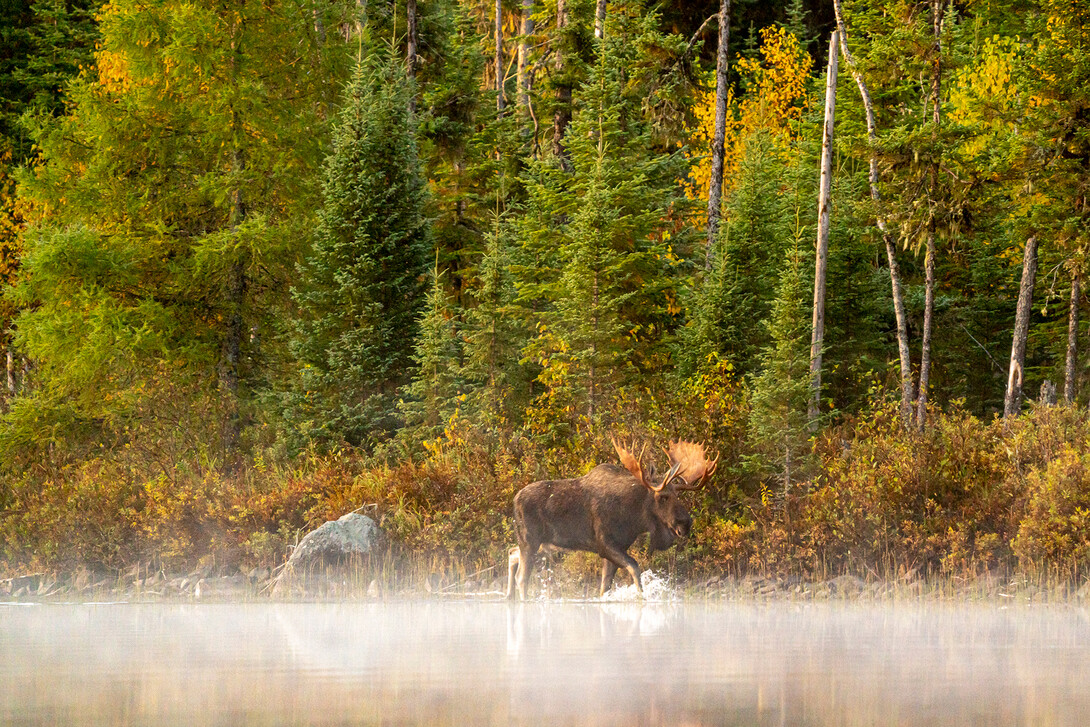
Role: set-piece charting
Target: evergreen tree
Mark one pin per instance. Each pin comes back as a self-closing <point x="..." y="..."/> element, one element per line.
<point x="738" y="292"/>
<point x="778" y="425"/>
<point x="43" y="45"/>
<point x="360" y="289"/>
<point x="458" y="138"/>
<point x="434" y="395"/>
<point x="762" y="183"/>
<point x="591" y="273"/>
<point x="491" y="334"/>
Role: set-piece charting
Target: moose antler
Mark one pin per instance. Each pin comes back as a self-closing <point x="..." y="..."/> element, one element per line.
<point x="632" y="464"/>
<point x="691" y="464"/>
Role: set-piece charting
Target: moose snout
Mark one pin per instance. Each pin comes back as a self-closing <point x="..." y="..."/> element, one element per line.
<point x="682" y="527"/>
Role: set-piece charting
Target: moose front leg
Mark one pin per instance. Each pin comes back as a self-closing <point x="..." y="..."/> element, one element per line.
<point x="622" y="559"/>
<point x="609" y="569"/>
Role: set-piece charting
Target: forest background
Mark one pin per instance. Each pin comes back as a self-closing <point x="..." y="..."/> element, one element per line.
<point x="265" y="263"/>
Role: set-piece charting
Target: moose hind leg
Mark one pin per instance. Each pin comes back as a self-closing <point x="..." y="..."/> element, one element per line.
<point x="526" y="557"/>
<point x="512" y="570"/>
<point x="609" y="568"/>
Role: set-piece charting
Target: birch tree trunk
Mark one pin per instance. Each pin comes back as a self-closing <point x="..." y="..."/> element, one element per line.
<point x="822" y="256"/>
<point x="523" y="73"/>
<point x="562" y="111"/>
<point x="499" y="57"/>
<point x="1012" y="403"/>
<point x="907" y="393"/>
<point x="715" y="183"/>
<point x="1070" y="364"/>
<point x="600" y="19"/>
<point x="929" y="260"/>
<point x="11" y="372"/>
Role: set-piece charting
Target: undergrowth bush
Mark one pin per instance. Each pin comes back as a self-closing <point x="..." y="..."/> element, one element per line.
<point x="962" y="497"/>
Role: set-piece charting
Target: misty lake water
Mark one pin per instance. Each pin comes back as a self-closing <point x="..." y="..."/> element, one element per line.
<point x="544" y="663"/>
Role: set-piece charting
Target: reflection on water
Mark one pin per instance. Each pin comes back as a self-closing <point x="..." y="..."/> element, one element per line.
<point x="443" y="663"/>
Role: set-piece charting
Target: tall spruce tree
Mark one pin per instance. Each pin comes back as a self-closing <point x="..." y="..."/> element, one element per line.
<point x="434" y="395"/>
<point x="491" y="334"/>
<point x="360" y="289"/>
<point x="778" y="427"/>
<point x="593" y="268"/>
<point x="43" y="45"/>
<point x="751" y="243"/>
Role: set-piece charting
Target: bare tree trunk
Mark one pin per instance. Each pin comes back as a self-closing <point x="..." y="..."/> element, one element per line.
<point x="1072" y="337"/>
<point x="524" y="55"/>
<point x="600" y="19"/>
<point x="499" y="57"/>
<point x="1012" y="403"/>
<point x="715" y="183"/>
<point x="907" y="393"/>
<point x="925" y="335"/>
<point x="562" y="111"/>
<point x="929" y="260"/>
<point x="817" y="337"/>
<point x="11" y="372"/>
<point x="410" y="50"/>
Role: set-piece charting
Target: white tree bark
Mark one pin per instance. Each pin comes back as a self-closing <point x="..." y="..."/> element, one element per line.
<point x="817" y="337"/>
<point x="1012" y="403"/>
<point x="937" y="12"/>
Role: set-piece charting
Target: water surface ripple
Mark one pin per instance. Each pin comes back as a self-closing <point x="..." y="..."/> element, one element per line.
<point x="543" y="663"/>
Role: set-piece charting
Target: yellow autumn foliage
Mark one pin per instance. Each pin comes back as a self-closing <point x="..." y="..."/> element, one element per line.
<point x="10" y="225"/>
<point x="775" y="102"/>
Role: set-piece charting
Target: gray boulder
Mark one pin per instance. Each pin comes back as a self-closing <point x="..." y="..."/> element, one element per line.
<point x="352" y="535"/>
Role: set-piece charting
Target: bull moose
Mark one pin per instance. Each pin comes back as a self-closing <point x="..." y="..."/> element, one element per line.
<point x="605" y="510"/>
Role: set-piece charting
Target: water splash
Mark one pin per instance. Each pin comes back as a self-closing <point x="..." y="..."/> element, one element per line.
<point x="655" y="588"/>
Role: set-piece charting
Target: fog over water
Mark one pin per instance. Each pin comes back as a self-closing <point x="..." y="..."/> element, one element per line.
<point x="544" y="663"/>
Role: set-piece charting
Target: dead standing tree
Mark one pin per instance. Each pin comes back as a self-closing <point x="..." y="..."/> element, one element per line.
<point x="817" y="335"/>
<point x="715" y="183"/>
<point x="1012" y="402"/>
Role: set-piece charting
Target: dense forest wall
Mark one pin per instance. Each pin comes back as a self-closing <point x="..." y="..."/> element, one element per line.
<point x="266" y="263"/>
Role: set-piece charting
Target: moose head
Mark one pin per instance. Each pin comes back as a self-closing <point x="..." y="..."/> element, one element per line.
<point x="689" y="469"/>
